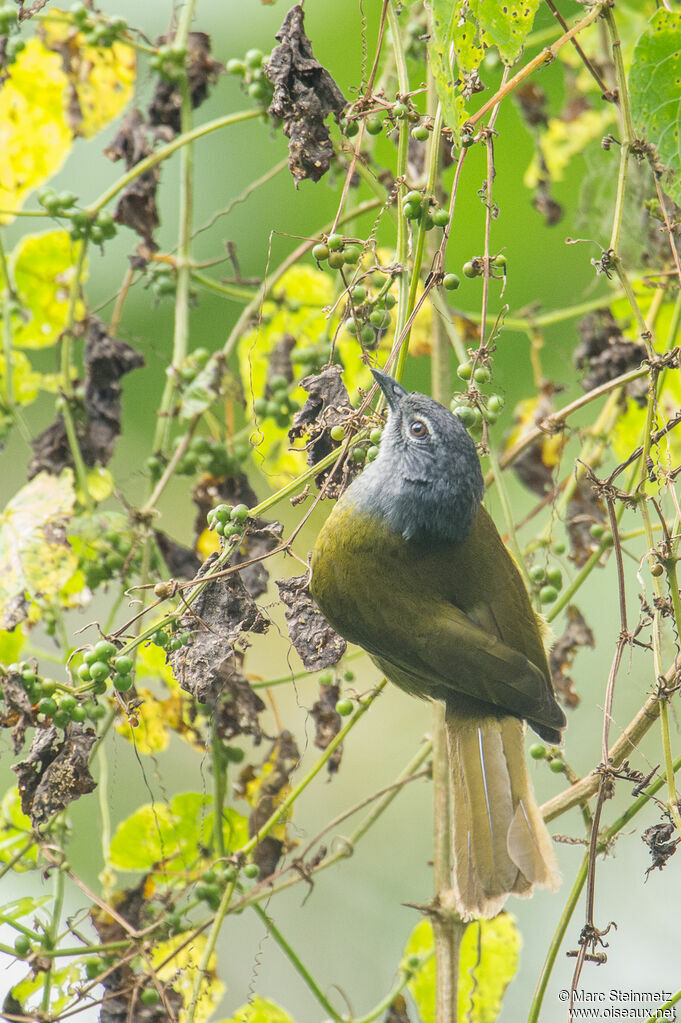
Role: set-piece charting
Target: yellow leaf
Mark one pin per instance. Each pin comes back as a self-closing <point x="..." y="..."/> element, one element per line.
<point x="564" y="139"/>
<point x="100" y="483"/>
<point x="35" y="556"/>
<point x="180" y="970"/>
<point x="259" y="1010"/>
<point x="34" y="137"/>
<point x="487" y="964"/>
<point x="49" y="97"/>
<point x="156" y="717"/>
<point x="43" y="266"/>
<point x="99" y="80"/>
<point x="26" y="382"/>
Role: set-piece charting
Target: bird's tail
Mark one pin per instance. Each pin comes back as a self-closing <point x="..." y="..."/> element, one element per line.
<point x="501" y="844"/>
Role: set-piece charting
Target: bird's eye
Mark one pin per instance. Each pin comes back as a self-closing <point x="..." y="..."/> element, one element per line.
<point x="418" y="429"/>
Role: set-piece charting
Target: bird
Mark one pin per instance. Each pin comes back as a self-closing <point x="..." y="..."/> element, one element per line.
<point x="409" y="566"/>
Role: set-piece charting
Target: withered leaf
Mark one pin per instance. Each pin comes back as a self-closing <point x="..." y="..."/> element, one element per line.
<point x="236" y="712"/>
<point x="536" y="464"/>
<point x="218" y="619"/>
<point x="662" y="845"/>
<point x="279" y="361"/>
<point x="202" y="70"/>
<point x="281" y="761"/>
<point x="318" y="645"/>
<point x="397" y="1011"/>
<point x="584" y="511"/>
<point x="106" y="360"/>
<point x="577" y="634"/>
<point x="605" y="354"/>
<point x="327" y="723"/>
<point x="56" y="771"/>
<point x="327" y="405"/>
<point x="15" y="712"/>
<point x="304" y="96"/>
<point x="136" y="206"/>
<point x="181" y="561"/>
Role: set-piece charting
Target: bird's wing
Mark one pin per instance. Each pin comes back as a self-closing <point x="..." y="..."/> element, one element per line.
<point x="453" y="654"/>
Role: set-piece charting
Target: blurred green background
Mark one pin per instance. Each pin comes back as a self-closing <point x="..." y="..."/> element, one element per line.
<point x="353" y="925"/>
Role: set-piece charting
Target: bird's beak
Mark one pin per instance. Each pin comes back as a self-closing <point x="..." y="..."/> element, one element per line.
<point x="393" y="391"/>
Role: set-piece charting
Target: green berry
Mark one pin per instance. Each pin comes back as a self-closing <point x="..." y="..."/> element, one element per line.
<point x="239" y="513"/>
<point x="374" y="125"/>
<point x="254" y="58"/>
<point x="420" y="133"/>
<point x="499" y="262"/>
<point x="451" y="282"/>
<point x="350" y="128"/>
<point x="251" y="870"/>
<point x="234" y="754"/>
<point x="495" y="404"/>
<point x="440" y="217"/>
<point x="351" y="327"/>
<point x="400" y="109"/>
<point x="47" y="706"/>
<point x="359" y="455"/>
<point x="464" y="370"/>
<point x="597" y="530"/>
<point x="320" y="252"/>
<point x="103" y="650"/>
<point x="537" y="574"/>
<point x="411" y="210"/>
<point x="22" y="945"/>
<point x="84" y="673"/>
<point x="548" y="594"/>
<point x="482" y="375"/>
<point x="122" y="682"/>
<point x="555" y="577"/>
<point x="68" y="703"/>
<point x="352" y="254"/>
<point x="375" y="435"/>
<point x="344" y="707"/>
<point x="557" y="765"/>
<point x="470" y="269"/>
<point x="335" y="242"/>
<point x="358" y="294"/>
<point x="99" y="670"/>
<point x="414" y="196"/>
<point x="336" y="260"/>
<point x="372" y="453"/>
<point x="538" y="751"/>
<point x="559" y="547"/>
<point x="48" y="686"/>
<point x="150" y="996"/>
<point x="61" y="718"/>
<point x="78" y="714"/>
<point x="222" y="512"/>
<point x="326" y="678"/>
<point x="123" y="664"/>
<point x="466" y="414"/>
<point x="28" y="676"/>
<point x="337" y="432"/>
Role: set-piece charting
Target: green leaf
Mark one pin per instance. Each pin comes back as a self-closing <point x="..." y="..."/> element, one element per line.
<point x="43" y="266"/>
<point x="488" y="963"/>
<point x="259" y="1010"/>
<point x="175" y="834"/>
<point x="505" y="25"/>
<point x="19" y="908"/>
<point x="64" y="980"/>
<point x="445" y="29"/>
<point x="655" y="89"/>
<point x="15" y="831"/>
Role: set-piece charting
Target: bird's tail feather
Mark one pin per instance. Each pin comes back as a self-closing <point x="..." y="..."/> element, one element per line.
<point x="501" y="844"/>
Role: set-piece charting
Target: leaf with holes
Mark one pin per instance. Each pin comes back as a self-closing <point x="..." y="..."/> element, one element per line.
<point x="505" y="25"/>
<point x="655" y="88"/>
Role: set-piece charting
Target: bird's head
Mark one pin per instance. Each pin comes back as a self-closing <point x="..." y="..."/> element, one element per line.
<point x="426" y="479"/>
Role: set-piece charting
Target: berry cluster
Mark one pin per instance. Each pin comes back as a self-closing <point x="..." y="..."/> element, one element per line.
<point x="215" y="879"/>
<point x="310" y="359"/>
<point x="417" y="206"/>
<point x="371" y="312"/>
<point x="98" y="228"/>
<point x="100" y="664"/>
<point x="110" y="555"/>
<point x="471" y="412"/>
<point x="97" y="30"/>
<point x="49" y="698"/>
<point x="538" y="751"/>
<point x="255" y="81"/>
<point x="344" y="706"/>
<point x="546" y="582"/>
<point x="228" y="521"/>
<point x="279" y="406"/>
<point x="169" y="63"/>
<point x="338" y="251"/>
<point x="169" y="639"/>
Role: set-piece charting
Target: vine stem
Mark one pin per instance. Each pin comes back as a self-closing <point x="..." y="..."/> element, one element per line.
<point x="208" y="951"/>
<point x="294" y="959"/>
<point x="337" y="740"/>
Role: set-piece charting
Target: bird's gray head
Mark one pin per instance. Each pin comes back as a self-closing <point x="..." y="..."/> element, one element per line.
<point x="426" y="479"/>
